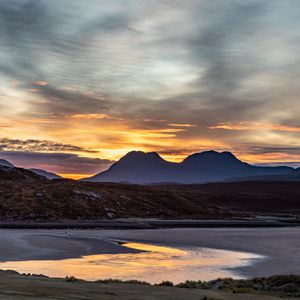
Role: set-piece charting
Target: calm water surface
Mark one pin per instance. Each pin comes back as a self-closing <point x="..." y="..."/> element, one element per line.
<point x="153" y="264"/>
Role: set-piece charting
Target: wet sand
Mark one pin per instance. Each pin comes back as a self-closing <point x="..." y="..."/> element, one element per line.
<point x="281" y="246"/>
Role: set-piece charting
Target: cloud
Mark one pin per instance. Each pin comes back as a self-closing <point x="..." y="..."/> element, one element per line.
<point x="89" y="116"/>
<point x="182" y="125"/>
<point x="255" y="126"/>
<point x="7" y="144"/>
<point x="62" y="163"/>
<point x="59" y="101"/>
<point x="261" y="149"/>
<point x="41" y="83"/>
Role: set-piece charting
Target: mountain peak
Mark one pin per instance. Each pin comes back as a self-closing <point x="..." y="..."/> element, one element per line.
<point x="210" y="155"/>
<point x="227" y="153"/>
<point x="140" y="155"/>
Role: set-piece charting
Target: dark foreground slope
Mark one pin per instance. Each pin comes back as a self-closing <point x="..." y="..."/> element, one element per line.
<point x="264" y="197"/>
<point x="27" y="196"/>
<point x="15" y="286"/>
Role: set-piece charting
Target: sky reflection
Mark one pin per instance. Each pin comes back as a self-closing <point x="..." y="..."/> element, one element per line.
<point x="154" y="264"/>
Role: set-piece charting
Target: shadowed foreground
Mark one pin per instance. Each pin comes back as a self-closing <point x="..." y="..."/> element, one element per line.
<point x="25" y="196"/>
<point x="15" y="286"/>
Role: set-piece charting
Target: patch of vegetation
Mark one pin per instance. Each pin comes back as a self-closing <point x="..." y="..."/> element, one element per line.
<point x="209" y="298"/>
<point x="283" y="285"/>
<point x="123" y="281"/>
<point x="165" y="283"/>
<point x="204" y="285"/>
<point x="72" y="279"/>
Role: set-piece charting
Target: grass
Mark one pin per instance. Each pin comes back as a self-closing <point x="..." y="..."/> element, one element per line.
<point x="15" y="286"/>
<point x="281" y="285"/>
<point x="123" y="281"/>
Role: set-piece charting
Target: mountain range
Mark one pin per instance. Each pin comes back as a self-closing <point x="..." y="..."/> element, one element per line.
<point x="138" y="167"/>
<point x="209" y="166"/>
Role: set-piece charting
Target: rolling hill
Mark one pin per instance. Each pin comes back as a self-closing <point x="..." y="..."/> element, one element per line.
<point x="25" y="195"/>
<point x="48" y="175"/>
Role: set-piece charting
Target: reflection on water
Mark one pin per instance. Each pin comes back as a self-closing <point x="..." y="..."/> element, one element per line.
<point x="154" y="264"/>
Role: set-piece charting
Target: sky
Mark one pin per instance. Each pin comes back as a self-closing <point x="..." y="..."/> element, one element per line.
<point x="84" y="82"/>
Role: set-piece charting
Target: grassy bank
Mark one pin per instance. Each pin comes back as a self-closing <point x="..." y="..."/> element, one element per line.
<point x="26" y="287"/>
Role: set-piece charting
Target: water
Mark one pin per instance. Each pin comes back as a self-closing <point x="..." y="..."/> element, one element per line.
<point x="154" y="263"/>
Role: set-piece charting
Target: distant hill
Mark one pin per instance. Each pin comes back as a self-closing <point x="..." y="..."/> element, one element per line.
<point x="292" y="175"/>
<point x="13" y="174"/>
<point x="40" y="172"/>
<point x="27" y="196"/>
<point x="6" y="163"/>
<point x="46" y="174"/>
<point x="209" y="166"/>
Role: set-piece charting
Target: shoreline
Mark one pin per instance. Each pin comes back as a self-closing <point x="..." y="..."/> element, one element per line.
<point x="120" y="224"/>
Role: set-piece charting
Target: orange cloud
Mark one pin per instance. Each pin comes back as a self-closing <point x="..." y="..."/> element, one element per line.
<point x="15" y="83"/>
<point x="255" y="126"/>
<point x="34" y="90"/>
<point x="41" y="83"/>
<point x="269" y="157"/>
<point x="182" y="125"/>
<point x="90" y="116"/>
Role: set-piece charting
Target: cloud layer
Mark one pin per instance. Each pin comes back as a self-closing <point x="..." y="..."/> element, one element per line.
<point x="7" y="144"/>
<point x="172" y="76"/>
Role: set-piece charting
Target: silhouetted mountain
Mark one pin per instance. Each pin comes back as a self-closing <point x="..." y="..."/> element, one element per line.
<point x="6" y="163"/>
<point x="138" y="167"/>
<point x="208" y="166"/>
<point x="12" y="174"/>
<point x="46" y="174"/>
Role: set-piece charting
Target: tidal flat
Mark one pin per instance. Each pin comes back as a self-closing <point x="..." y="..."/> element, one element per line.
<point x="153" y="255"/>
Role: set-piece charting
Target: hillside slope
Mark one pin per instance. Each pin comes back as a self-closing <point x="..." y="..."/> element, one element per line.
<point x="27" y="196"/>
